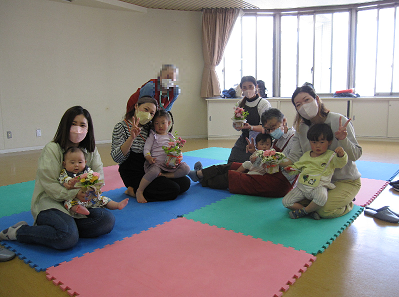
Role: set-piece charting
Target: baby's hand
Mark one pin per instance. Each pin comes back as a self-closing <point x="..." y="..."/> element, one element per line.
<point x="150" y="159"/>
<point x="67" y="186"/>
<point x="340" y="151"/>
<point x="290" y="169"/>
<point x="253" y="159"/>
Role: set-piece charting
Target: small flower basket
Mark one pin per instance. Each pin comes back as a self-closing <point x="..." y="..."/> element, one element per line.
<point x="173" y="152"/>
<point x="239" y="117"/>
<point x="269" y="160"/>
<point x="173" y="159"/>
<point x="90" y="183"/>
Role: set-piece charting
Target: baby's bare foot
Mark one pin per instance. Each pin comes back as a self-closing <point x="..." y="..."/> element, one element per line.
<point x="123" y="203"/>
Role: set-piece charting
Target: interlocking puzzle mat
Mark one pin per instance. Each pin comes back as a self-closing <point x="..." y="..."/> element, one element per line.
<point x="266" y="218"/>
<point x="112" y="179"/>
<point x="184" y="258"/>
<point x="369" y="190"/>
<point x="16" y="198"/>
<point x="217" y="153"/>
<point x="377" y="170"/>
<point x="134" y="218"/>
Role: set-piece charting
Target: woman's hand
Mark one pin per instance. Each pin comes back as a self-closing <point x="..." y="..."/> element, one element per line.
<point x="250" y="148"/>
<point x="135" y="130"/>
<point x="342" y="133"/>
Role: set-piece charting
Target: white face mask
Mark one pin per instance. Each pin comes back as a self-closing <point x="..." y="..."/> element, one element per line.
<point x="144" y="117"/>
<point x="249" y="93"/>
<point x="77" y="134"/>
<point x="277" y="133"/>
<point x="309" y="110"/>
<point x="167" y="83"/>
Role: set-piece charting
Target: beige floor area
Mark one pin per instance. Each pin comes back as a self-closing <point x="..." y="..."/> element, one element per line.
<point x="362" y="261"/>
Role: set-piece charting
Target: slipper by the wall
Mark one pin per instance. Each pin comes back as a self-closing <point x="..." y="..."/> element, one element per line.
<point x="184" y="258"/>
<point x="369" y="190"/>
<point x="383" y="213"/>
<point x="133" y="219"/>
<point x="266" y="218"/>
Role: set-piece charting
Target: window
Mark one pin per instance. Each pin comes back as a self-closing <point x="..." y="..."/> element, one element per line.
<point x="248" y="52"/>
<point x="316" y="47"/>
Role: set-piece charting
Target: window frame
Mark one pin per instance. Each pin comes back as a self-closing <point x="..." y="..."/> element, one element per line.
<point x="352" y="10"/>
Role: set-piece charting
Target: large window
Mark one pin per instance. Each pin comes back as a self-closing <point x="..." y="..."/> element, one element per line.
<point x="248" y="52"/>
<point x="354" y="47"/>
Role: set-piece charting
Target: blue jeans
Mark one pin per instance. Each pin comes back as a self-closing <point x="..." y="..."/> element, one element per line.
<point x="58" y="230"/>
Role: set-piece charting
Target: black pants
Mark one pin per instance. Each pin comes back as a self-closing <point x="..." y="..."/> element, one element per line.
<point x="238" y="152"/>
<point x="160" y="189"/>
<point x="216" y="176"/>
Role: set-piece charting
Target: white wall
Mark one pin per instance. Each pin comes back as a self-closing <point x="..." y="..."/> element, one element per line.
<point x="55" y="55"/>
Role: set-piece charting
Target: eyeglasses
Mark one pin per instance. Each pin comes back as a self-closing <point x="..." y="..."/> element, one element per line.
<point x="272" y="128"/>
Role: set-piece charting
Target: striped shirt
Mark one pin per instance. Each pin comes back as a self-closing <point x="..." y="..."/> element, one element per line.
<point x="119" y="136"/>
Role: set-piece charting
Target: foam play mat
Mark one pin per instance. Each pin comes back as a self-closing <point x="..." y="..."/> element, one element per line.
<point x="184" y="258"/>
<point x="267" y="219"/>
<point x="225" y="244"/>
<point x="133" y="219"/>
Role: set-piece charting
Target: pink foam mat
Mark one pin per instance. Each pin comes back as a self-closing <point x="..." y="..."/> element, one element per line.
<point x="183" y="258"/>
<point x="369" y="190"/>
<point x="112" y="178"/>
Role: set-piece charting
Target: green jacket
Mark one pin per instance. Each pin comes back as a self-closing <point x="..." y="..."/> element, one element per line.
<point x="48" y="192"/>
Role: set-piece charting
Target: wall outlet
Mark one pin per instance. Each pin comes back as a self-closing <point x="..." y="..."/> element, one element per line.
<point x="9" y="134"/>
<point x="38" y="133"/>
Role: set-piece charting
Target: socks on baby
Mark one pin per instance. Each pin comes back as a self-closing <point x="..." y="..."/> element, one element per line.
<point x="193" y="173"/>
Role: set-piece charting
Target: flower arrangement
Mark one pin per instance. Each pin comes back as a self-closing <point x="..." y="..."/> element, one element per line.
<point x="174" y="146"/>
<point x="269" y="159"/>
<point x="239" y="114"/>
<point x="173" y="151"/>
<point x="90" y="182"/>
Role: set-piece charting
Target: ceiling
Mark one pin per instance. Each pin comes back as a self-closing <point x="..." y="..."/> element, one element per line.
<point x="198" y="5"/>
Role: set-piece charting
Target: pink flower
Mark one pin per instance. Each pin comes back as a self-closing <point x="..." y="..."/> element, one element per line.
<point x="84" y="175"/>
<point x="96" y="174"/>
<point x="266" y="153"/>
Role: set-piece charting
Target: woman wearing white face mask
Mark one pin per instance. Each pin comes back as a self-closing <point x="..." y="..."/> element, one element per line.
<point x="54" y="226"/>
<point x="162" y="88"/>
<point x="128" y="140"/>
<point x="255" y="106"/>
<point x="347" y="179"/>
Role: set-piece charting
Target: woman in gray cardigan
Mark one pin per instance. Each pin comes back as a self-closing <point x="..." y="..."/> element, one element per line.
<point x="54" y="226"/>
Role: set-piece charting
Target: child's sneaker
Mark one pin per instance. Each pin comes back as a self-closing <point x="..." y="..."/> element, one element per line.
<point x="315" y="215"/>
<point x="298" y="213"/>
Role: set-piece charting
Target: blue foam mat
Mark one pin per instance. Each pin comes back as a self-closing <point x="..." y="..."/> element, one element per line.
<point x="217" y="153"/>
<point x="377" y="170"/>
<point x="138" y="217"/>
<point x="133" y="219"/>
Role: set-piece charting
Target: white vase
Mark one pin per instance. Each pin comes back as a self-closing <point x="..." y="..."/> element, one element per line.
<point x="239" y="123"/>
<point x="173" y="159"/>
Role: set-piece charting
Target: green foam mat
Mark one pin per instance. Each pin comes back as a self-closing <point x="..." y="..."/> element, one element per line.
<point x="16" y="198"/>
<point x="266" y="218"/>
<point x="217" y="153"/>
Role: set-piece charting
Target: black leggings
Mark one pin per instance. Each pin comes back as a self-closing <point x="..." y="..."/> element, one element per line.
<point x="160" y="189"/>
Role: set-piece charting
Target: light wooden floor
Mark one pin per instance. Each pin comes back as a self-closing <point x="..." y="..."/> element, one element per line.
<point x="362" y="261"/>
